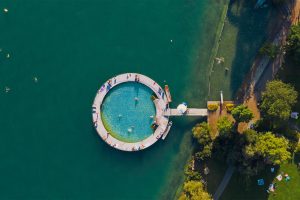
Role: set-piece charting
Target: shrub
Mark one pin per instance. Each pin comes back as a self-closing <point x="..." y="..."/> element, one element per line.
<point x="242" y="113"/>
<point x="229" y="107"/>
<point x="224" y="125"/>
<point x="212" y="107"/>
<point x="270" y="50"/>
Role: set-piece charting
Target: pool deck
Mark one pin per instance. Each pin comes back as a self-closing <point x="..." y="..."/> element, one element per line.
<point x="160" y="118"/>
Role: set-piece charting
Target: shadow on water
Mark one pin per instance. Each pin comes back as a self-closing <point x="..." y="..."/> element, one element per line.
<point x="252" y="27"/>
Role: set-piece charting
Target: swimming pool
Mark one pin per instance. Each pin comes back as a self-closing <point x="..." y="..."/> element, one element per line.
<point x="127" y="112"/>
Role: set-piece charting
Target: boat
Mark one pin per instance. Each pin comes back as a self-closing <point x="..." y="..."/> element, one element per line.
<point x="167" y="130"/>
<point x="168" y="94"/>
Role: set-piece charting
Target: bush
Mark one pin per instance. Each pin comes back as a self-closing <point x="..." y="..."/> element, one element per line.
<point x="229" y="107"/>
<point x="270" y="50"/>
<point x="212" y="107"/>
<point x="204" y="153"/>
<point x="224" y="125"/>
<point x="242" y="113"/>
<point x="190" y="174"/>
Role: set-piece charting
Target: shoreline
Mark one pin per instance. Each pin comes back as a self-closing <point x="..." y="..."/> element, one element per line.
<point x="263" y="68"/>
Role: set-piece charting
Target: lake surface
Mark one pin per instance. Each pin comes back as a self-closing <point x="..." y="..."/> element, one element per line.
<point x="48" y="146"/>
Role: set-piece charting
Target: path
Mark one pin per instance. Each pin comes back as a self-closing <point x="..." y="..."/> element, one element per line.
<point x="190" y="112"/>
<point x="223" y="184"/>
<point x="263" y="70"/>
<point x="296" y="12"/>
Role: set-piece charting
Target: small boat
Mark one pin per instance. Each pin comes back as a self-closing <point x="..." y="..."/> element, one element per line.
<point x="167" y="130"/>
<point x="168" y="94"/>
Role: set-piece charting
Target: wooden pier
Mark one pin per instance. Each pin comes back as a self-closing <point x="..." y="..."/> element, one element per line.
<point x="196" y="112"/>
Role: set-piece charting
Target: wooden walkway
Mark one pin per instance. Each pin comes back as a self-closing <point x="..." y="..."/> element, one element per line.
<point x="190" y="112"/>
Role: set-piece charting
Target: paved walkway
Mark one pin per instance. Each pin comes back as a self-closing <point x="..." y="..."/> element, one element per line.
<point x="190" y="112"/>
<point x="159" y="103"/>
<point x="224" y="182"/>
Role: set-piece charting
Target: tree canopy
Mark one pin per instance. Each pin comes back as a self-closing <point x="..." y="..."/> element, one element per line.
<point x="270" y="50"/>
<point x="201" y="132"/>
<point x="293" y="44"/>
<point x="242" y="113"/>
<point x="194" y="190"/>
<point x="224" y="125"/>
<point x="278" y="99"/>
<point x="273" y="149"/>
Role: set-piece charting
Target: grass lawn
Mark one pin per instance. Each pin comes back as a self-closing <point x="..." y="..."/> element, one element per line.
<point x="288" y="190"/>
<point x="216" y="172"/>
<point x="239" y="188"/>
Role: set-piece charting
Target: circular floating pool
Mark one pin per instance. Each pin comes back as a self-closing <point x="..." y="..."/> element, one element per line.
<point x="124" y="110"/>
<point x="127" y="112"/>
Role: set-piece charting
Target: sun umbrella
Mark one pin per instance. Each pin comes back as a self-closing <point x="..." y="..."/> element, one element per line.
<point x="182" y="108"/>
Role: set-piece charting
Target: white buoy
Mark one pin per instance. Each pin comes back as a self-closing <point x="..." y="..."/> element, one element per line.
<point x="0" y="50"/>
<point x="136" y="99"/>
<point x="129" y="130"/>
<point x="7" y="55"/>
<point x="35" y="79"/>
<point x="171" y="41"/>
<point x="5" y="10"/>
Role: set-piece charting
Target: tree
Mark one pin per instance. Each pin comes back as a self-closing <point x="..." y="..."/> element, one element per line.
<point x="278" y="99"/>
<point x="224" y="125"/>
<point x="242" y="113"/>
<point x="194" y="190"/>
<point x="273" y="149"/>
<point x="293" y="42"/>
<point x="201" y="132"/>
<point x="270" y="50"/>
<point x="205" y="152"/>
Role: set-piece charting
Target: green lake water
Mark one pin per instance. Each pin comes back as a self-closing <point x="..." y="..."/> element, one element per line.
<point x="48" y="146"/>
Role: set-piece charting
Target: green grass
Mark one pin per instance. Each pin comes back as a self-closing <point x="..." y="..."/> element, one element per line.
<point x="241" y="188"/>
<point x="288" y="190"/>
<point x="298" y="122"/>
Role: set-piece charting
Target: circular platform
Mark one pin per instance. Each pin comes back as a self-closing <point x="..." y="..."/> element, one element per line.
<point x="108" y="109"/>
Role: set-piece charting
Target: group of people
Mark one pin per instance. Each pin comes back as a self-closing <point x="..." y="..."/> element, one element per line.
<point x="272" y="187"/>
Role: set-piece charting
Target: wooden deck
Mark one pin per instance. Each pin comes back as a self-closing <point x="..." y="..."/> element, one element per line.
<point x="213" y="116"/>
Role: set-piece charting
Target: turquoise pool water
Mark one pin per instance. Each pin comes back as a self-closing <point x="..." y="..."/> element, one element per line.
<point x="128" y="111"/>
